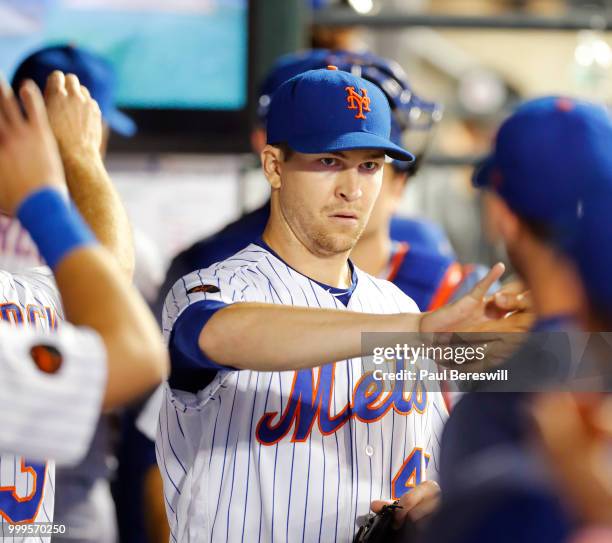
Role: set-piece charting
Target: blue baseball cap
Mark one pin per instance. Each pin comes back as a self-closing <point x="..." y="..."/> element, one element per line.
<point x="549" y="155"/>
<point x="410" y="112"/>
<point x="413" y="118"/>
<point x="95" y="73"/>
<point x="330" y="110"/>
<point x="285" y="68"/>
<point x="592" y="251"/>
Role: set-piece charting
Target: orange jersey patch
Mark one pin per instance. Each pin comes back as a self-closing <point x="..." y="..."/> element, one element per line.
<point x="47" y="358"/>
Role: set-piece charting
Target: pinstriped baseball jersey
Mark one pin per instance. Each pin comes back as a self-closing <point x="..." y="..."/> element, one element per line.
<point x="17" y="250"/>
<point x="292" y="455"/>
<point x="27" y="487"/>
<point x="43" y="378"/>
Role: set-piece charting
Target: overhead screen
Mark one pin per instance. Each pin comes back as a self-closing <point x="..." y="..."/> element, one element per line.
<point x="178" y="55"/>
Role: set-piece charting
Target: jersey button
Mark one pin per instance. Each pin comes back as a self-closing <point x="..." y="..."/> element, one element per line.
<point x="369" y="450"/>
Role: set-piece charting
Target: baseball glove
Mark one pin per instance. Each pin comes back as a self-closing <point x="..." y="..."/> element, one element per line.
<point x="379" y="528"/>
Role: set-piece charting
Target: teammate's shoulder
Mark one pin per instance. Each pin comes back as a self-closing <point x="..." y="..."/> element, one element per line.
<point x="35" y="276"/>
<point x="238" y="265"/>
<point x="231" y="272"/>
<point x="421" y="233"/>
<point x="422" y="263"/>
<point x="5" y="276"/>
<point x="248" y="257"/>
<point x="421" y="273"/>
<point x="36" y="271"/>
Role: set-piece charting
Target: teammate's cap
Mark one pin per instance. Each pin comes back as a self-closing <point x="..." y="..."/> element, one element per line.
<point x="93" y="72"/>
<point x="285" y="68"/>
<point x="330" y="110"/>
<point x="549" y="155"/>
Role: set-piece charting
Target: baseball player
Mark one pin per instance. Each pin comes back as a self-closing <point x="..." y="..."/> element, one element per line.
<point x="576" y="427"/>
<point x="53" y="382"/>
<point x="414" y="254"/>
<point x="83" y="499"/>
<point x="270" y="428"/>
<point x="417" y="256"/>
<point x="536" y="204"/>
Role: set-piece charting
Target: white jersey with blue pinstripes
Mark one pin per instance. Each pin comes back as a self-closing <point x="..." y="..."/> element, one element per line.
<point x="293" y="455"/>
<point x="50" y="411"/>
<point x="27" y="488"/>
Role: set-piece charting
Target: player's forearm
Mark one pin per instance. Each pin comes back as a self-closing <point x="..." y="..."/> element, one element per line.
<point x="95" y="295"/>
<point x="96" y="198"/>
<point x="270" y="337"/>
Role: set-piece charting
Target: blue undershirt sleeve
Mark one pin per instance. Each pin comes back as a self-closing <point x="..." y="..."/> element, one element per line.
<point x="191" y="369"/>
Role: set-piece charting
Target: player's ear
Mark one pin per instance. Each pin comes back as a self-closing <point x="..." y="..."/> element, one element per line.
<point x="271" y="162"/>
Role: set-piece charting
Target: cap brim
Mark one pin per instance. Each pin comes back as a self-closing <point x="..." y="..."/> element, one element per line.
<point x="482" y="174"/>
<point x="119" y="122"/>
<point x="350" y="141"/>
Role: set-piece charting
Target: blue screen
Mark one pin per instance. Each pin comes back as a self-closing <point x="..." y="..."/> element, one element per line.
<point x="168" y="54"/>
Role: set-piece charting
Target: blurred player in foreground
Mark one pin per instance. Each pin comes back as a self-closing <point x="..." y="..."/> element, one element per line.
<point x="537" y="203"/>
<point x="83" y="498"/>
<point x="49" y="406"/>
<point x="270" y="426"/>
<point x="575" y="429"/>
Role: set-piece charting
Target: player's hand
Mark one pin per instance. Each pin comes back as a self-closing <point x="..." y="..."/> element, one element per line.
<point x="74" y="116"/>
<point x="29" y="158"/>
<point x="478" y="319"/>
<point x="511" y="298"/>
<point x="417" y="504"/>
<point x="474" y="312"/>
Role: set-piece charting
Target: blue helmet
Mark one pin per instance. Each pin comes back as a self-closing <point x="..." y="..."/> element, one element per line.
<point x="412" y="117"/>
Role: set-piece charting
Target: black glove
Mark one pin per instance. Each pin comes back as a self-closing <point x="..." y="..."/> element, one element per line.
<point x="379" y="528"/>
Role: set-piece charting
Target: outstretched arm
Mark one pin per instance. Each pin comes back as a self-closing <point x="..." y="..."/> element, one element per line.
<point x="270" y="337"/>
<point x="77" y="125"/>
